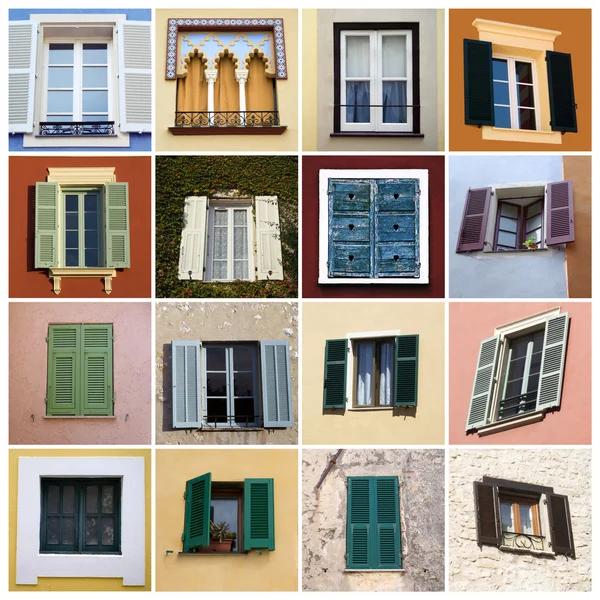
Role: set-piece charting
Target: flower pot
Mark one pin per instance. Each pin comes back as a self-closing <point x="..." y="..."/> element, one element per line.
<point x="217" y="546"/>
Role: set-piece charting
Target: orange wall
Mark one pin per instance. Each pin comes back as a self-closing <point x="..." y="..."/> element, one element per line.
<point x="24" y="281"/>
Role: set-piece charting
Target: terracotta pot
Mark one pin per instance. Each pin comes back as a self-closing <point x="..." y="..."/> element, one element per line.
<point x="217" y="546"/>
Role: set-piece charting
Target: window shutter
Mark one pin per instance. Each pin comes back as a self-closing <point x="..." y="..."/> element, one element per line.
<point x="479" y="87"/>
<point x="185" y="367"/>
<point x="387" y="529"/>
<point x="116" y="200"/>
<point x="268" y="238"/>
<point x="22" y="52"/>
<point x="97" y="369"/>
<point x="135" y="76"/>
<point x="193" y="236"/>
<point x="196" y="525"/>
<point x="63" y="369"/>
<point x="276" y="383"/>
<point x="560" y="213"/>
<point x="406" y="377"/>
<point x="46" y="225"/>
<point x="259" y="515"/>
<point x="358" y="523"/>
<point x="487" y="513"/>
<point x="471" y="235"/>
<point x="561" y="532"/>
<point x="563" y="115"/>
<point x="553" y="362"/>
<point x="484" y="383"/>
<point x="336" y="360"/>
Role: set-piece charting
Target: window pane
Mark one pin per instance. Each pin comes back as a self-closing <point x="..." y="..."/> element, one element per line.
<point x="60" y="77"/>
<point x="538" y="340"/>
<point x="60" y="101"/>
<point x="357" y="56"/>
<point x="91" y="240"/>
<point x="536" y="234"/>
<point x="507" y="239"/>
<point x="394" y="102"/>
<point x="108" y="498"/>
<point x="509" y="210"/>
<point x="394" y="56"/>
<point x="358" y="100"/>
<point x="91" y="531"/>
<point x="508" y="224"/>
<point x="108" y="531"/>
<point x="507" y="518"/>
<point x="534" y="209"/>
<point x="502" y="116"/>
<point x="225" y="510"/>
<point x="526" y="519"/>
<point x="91" y="220"/>
<point x="71" y="202"/>
<point x="68" y="530"/>
<point x="95" y="54"/>
<point x="53" y="503"/>
<point x="525" y="95"/>
<point x="88" y="118"/>
<point x="72" y="239"/>
<point x="56" y="118"/>
<point x="532" y="385"/>
<point x="526" y="118"/>
<point x="72" y="258"/>
<point x="60" y="54"/>
<point x="244" y="410"/>
<point x="519" y="346"/>
<point x="216" y="384"/>
<point x="501" y="93"/>
<point x="240" y="235"/>
<point x="386" y="373"/>
<point x="215" y="359"/>
<point x="216" y="410"/>
<point x="243" y="384"/>
<point x="243" y="358"/>
<point x="95" y="77"/>
<point x="68" y="499"/>
<point x="364" y="383"/>
<point x="53" y="530"/>
<point x="240" y="269"/>
<point x="523" y="71"/>
<point x="91" y="257"/>
<point x="95" y="101"/>
<point x="500" y="69"/>
<point x="90" y="203"/>
<point x="71" y="220"/>
<point x="91" y="498"/>
<point x="534" y="223"/>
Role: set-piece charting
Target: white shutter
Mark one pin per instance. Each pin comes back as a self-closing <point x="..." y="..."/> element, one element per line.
<point x="268" y="238"/>
<point x="193" y="236"/>
<point x="135" y="76"/>
<point x="22" y="50"/>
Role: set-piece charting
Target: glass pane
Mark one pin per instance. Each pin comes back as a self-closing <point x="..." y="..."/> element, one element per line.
<point x="525" y="95"/>
<point x="243" y="358"/>
<point x="68" y="530"/>
<point x="215" y="359"/>
<point x="243" y="384"/>
<point x="60" y="54"/>
<point x="88" y="118"/>
<point x="95" y="77"/>
<point x="357" y="56"/>
<point x="508" y="224"/>
<point x="500" y="69"/>
<point x="94" y="54"/>
<point x="53" y="530"/>
<point x="240" y="269"/>
<point x="219" y="269"/>
<point x="55" y="118"/>
<point x="526" y="519"/>
<point x="91" y="498"/>
<point x="225" y="510"/>
<point x="240" y="234"/>
<point x="72" y="258"/>
<point x="358" y="100"/>
<point x="244" y="410"/>
<point x="216" y="384"/>
<point x="501" y="93"/>
<point x="108" y="531"/>
<point x="536" y="361"/>
<point x="534" y="223"/>
<point x="526" y="118"/>
<point x="536" y="234"/>
<point x="386" y="373"/>
<point x="507" y="518"/>
<point x="72" y="238"/>
<point x="60" y="101"/>
<point x="532" y="385"/>
<point x="91" y="239"/>
<point x="95" y="101"/>
<point x="394" y="102"/>
<point x="71" y="220"/>
<point x="68" y="499"/>
<point x="239" y="217"/>
<point x="108" y="498"/>
<point x="538" y="340"/>
<point x="516" y="369"/>
<point x="91" y="257"/>
<point x="71" y="202"/>
<point x="53" y="504"/>
<point x="221" y="218"/>
<point x="91" y="220"/>
<point x="509" y="210"/>
<point x="394" y="56"/>
<point x="513" y="388"/>
<point x="91" y="531"/>
<point x="90" y="203"/>
<point x="523" y="71"/>
<point x="502" y="116"/>
<point x="507" y="239"/>
<point x="534" y="209"/>
<point x="216" y="410"/>
<point x="60" y="77"/>
<point x="364" y="383"/>
<point x="519" y="346"/>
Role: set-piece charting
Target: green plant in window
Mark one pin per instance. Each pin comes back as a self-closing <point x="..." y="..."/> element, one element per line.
<point x="530" y="243"/>
<point x="220" y="531"/>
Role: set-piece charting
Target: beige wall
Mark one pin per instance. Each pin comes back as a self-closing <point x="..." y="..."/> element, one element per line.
<point x="310" y="60"/>
<point x="333" y="320"/>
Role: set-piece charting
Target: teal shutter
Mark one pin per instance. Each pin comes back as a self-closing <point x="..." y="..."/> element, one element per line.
<point x="484" y="383"/>
<point x="276" y="383"/>
<point x="116" y="200"/>
<point x="46" y="225"/>
<point x="553" y="362"/>
<point x="63" y="370"/>
<point x="479" y="86"/>
<point x="406" y="376"/>
<point x="185" y="372"/>
<point x="387" y="530"/>
<point x="358" y="523"/>
<point x="259" y="515"/>
<point x="97" y="369"/>
<point x="336" y="360"/>
<point x="196" y="525"/>
<point x="563" y="115"/>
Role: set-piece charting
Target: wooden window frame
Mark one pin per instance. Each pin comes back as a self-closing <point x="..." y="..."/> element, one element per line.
<point x="516" y="501"/>
<point x="521" y="219"/>
<point x="375" y="372"/>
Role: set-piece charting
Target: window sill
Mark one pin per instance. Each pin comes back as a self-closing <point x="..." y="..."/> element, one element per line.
<point x="520" y="135"/>
<point x="516" y="251"/>
<point x="243" y="553"/>
<point x="277" y="130"/>
<point x="513" y="423"/>
<point x="396" y="134"/>
<point x="364" y="408"/>
<point x="544" y="553"/>
<point x="381" y="280"/>
<point x="206" y="428"/>
<point x="374" y="570"/>
<point x="110" y="418"/>
<point x="57" y="273"/>
<point x="120" y="140"/>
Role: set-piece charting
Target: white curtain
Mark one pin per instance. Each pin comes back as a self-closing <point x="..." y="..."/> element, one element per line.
<point x="240" y="245"/>
<point x="220" y="245"/>
<point x="364" y="384"/>
<point x="386" y="367"/>
<point x="394" y="65"/>
<point x="358" y="93"/>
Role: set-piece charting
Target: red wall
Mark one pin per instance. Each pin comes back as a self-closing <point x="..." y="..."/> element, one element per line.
<point x="25" y="281"/>
<point x="310" y="227"/>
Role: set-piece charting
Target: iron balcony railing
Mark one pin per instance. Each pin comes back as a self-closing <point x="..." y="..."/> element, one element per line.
<point x="77" y="128"/>
<point x="218" y="118"/>
<point x="232" y="421"/>
<point x="522" y="541"/>
<point x="517" y="405"/>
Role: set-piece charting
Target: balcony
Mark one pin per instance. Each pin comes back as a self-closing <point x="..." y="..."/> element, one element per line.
<point x="228" y="122"/>
<point x="522" y="541"/>
<point x="76" y="128"/>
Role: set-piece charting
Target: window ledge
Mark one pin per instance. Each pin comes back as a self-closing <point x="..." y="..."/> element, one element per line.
<point x="516" y="250"/>
<point x="243" y="553"/>
<point x="363" y="408"/>
<point x="278" y="130"/>
<point x="520" y="135"/>
<point x="206" y="428"/>
<point x="374" y="570"/>
<point x="398" y="134"/>
<point x="545" y="553"/>
<point x="57" y="273"/>
<point x="120" y="140"/>
<point x="112" y="417"/>
<point x="511" y="423"/>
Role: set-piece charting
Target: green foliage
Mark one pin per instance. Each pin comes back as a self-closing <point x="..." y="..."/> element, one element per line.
<point x="180" y="176"/>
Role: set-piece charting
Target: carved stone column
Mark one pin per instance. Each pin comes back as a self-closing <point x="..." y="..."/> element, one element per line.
<point x="211" y="79"/>
<point x="241" y="76"/>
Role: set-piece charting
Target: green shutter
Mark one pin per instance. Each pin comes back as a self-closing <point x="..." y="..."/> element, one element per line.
<point x="387" y="532"/>
<point x="46" y="225"/>
<point x="479" y="88"/>
<point x="563" y="115"/>
<point x="97" y="369"/>
<point x="358" y="523"/>
<point x="196" y="525"/>
<point x="336" y="360"/>
<point x="406" y="370"/>
<point x="63" y="369"/>
<point x="116" y="197"/>
<point x="259" y="515"/>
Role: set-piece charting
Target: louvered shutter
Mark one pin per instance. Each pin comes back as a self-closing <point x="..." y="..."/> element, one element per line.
<point x="22" y="52"/>
<point x="560" y="213"/>
<point x="336" y="360"/>
<point x="358" y="523"/>
<point x="196" y="525"/>
<point x="484" y="383"/>
<point x="406" y="376"/>
<point x="116" y="201"/>
<point x="97" y="369"/>
<point x="561" y="532"/>
<point x="185" y="370"/>
<point x="268" y="238"/>
<point x="474" y="221"/>
<point x="193" y="236"/>
<point x="63" y="369"/>
<point x="135" y="76"/>
<point x="563" y="114"/>
<point x="553" y="362"/>
<point x="276" y="383"/>
<point x="259" y="515"/>
<point x="387" y="528"/>
<point x="46" y="225"/>
<point x="487" y="514"/>
<point x="479" y="86"/>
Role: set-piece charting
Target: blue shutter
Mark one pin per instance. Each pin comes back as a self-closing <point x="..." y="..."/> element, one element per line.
<point x="185" y="369"/>
<point x="276" y="383"/>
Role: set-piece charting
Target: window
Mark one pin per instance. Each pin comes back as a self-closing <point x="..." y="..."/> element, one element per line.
<point x="519" y="226"/>
<point x="83" y="227"/>
<point x="80" y="370"/>
<point x="238" y="385"/>
<point x="373" y="226"/>
<point x="520" y="515"/>
<point x="376" y="74"/>
<point x="81" y="516"/>
<point x="374" y="373"/>
<point x="373" y="524"/>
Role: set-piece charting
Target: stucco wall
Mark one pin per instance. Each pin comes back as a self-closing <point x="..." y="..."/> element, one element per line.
<point x="490" y="569"/>
<point x="222" y="322"/>
<point x="324" y="515"/>
<point x="421" y="425"/>
<point x="478" y="274"/>
<point x="28" y="364"/>
<point x="470" y="323"/>
<point x="266" y="571"/>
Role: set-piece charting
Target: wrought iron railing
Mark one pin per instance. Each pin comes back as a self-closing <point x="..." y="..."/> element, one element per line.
<point x="517" y="405"/>
<point x="522" y="541"/>
<point x="231" y="421"/>
<point x="249" y="118"/>
<point x="77" y="128"/>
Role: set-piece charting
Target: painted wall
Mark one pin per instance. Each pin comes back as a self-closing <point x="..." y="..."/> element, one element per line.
<point x="481" y="274"/>
<point x="76" y="584"/>
<point x="472" y="322"/>
<point x="489" y="569"/>
<point x="28" y="360"/>
<point x="310" y="227"/>
<point x="324" y="517"/>
<point x="269" y="571"/>
<point x="421" y="425"/>
<point x="222" y="322"/>
<point x="287" y="90"/>
<point x="575" y="38"/>
<point x="27" y="282"/>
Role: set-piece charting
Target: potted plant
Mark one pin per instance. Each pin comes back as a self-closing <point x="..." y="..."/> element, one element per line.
<point x="530" y="243"/>
<point x="221" y="539"/>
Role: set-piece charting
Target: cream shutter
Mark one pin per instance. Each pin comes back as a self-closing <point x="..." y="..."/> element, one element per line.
<point x="193" y="236"/>
<point x="268" y="238"/>
<point x="22" y="48"/>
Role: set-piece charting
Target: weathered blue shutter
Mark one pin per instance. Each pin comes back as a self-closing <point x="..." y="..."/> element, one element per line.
<point x="406" y="376"/>
<point x="276" y="383"/>
<point x="196" y="524"/>
<point x="553" y="362"/>
<point x="336" y="360"/>
<point x="185" y="370"/>
<point x="484" y="383"/>
<point x="259" y="514"/>
<point x="563" y="110"/>
<point x="479" y="83"/>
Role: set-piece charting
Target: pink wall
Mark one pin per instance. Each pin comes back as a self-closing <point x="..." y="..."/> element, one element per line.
<point x="471" y="322"/>
<point x="28" y="328"/>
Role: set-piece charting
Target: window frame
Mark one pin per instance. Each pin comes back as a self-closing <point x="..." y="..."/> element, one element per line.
<point x="226" y="490"/>
<point x="522" y="218"/>
<point x="517" y="501"/>
<point x="375" y="373"/>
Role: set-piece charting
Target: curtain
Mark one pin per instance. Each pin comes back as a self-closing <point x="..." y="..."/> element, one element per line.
<point x="240" y="245"/>
<point x="386" y="373"/>
<point x="364" y="383"/>
<point x="358" y="92"/>
<point x="393" y="53"/>
<point x="192" y="90"/>
<point x="394" y="94"/>
<point x="227" y="91"/>
<point x="220" y="244"/>
<point x="259" y="89"/>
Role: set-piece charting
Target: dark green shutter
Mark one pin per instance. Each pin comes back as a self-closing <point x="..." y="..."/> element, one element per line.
<point x="336" y="360"/>
<point x="196" y="525"/>
<point x="259" y="515"/>
<point x="97" y="369"/>
<point x="46" y="225"/>
<point x="116" y="199"/>
<point x="406" y="377"/>
<point x="358" y="524"/>
<point x="479" y="86"/>
<point x="63" y="369"/>
<point x="563" y="115"/>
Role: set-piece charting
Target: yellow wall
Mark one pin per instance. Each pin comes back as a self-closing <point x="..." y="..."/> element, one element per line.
<point x="287" y="90"/>
<point x="66" y="584"/>
<point x="309" y="79"/>
<point x="332" y="320"/>
<point x="269" y="571"/>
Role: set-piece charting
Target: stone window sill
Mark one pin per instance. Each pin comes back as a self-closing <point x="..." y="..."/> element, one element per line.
<point x="243" y="553"/>
<point x="58" y="273"/>
<point x="374" y="570"/>
<point x="365" y="408"/>
<point x="396" y="134"/>
<point x="544" y="553"/>
<point x="106" y="417"/>
<point x="511" y="423"/>
<point x="503" y="134"/>
<point x="276" y="130"/>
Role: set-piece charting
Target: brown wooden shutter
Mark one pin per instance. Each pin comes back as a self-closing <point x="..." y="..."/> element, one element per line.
<point x="560" y="220"/>
<point x="561" y="532"/>
<point x="472" y="229"/>
<point x="487" y="514"/>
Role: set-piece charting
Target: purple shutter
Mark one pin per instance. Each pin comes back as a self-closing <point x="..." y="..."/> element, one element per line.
<point x="560" y="221"/>
<point x="472" y="229"/>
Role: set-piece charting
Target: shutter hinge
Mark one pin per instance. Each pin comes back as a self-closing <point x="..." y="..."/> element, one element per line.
<point x="185" y="495"/>
<point x="45" y="400"/>
<point x="418" y="265"/>
<point x="182" y="537"/>
<point x="328" y="264"/>
<point x="47" y="340"/>
<point x="325" y="385"/>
